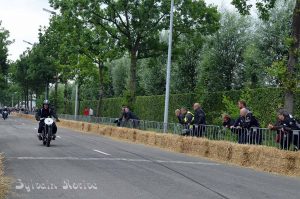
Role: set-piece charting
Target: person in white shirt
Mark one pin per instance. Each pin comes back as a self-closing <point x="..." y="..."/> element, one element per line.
<point x="91" y="112"/>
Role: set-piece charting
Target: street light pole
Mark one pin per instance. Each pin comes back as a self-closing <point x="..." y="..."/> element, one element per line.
<point x="27" y="42"/>
<point x="168" y="69"/>
<point x="76" y="94"/>
<point x="49" y="11"/>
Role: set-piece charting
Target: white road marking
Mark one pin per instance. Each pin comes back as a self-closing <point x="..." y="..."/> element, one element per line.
<point x="101" y="152"/>
<point x="113" y="159"/>
<point x="35" y="128"/>
<point x="59" y="137"/>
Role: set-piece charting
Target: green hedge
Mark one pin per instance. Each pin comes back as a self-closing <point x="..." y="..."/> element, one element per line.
<point x="262" y="102"/>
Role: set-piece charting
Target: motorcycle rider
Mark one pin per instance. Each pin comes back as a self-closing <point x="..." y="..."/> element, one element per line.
<point x="46" y="112"/>
<point x="5" y="109"/>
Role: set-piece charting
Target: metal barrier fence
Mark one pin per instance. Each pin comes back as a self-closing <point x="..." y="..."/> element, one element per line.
<point x="253" y="136"/>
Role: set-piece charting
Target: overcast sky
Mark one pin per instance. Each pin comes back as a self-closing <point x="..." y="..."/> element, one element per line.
<point x="24" y="17"/>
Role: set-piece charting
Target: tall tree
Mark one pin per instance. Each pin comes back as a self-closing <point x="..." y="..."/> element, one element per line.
<point x="136" y="25"/>
<point x="4" y="65"/>
<point x="222" y="65"/>
<point x="264" y="7"/>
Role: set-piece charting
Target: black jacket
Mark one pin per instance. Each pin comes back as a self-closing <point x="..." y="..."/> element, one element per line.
<point x="246" y="122"/>
<point x="131" y="116"/>
<point x="229" y="123"/>
<point x="44" y="113"/>
<point x="199" y="117"/>
<point x="288" y="124"/>
<point x="180" y="119"/>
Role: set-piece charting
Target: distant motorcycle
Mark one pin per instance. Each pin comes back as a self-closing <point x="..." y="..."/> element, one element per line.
<point x="47" y="132"/>
<point x="4" y="115"/>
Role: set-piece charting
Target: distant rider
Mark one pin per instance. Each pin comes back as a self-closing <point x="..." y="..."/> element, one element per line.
<point x="3" y="110"/>
<point x="46" y="112"/>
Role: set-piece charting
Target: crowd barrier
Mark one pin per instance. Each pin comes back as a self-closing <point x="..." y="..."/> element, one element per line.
<point x="252" y="136"/>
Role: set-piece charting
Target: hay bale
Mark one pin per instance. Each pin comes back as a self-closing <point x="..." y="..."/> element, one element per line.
<point x="297" y="164"/>
<point x="186" y="146"/>
<point x="101" y="130"/>
<point x="107" y="130"/>
<point x="200" y="147"/>
<point x="159" y="140"/>
<point x="86" y="127"/>
<point x="94" y="128"/>
<point x="142" y="137"/>
<point x="117" y="132"/>
<point x="240" y="154"/>
<point x="5" y="182"/>
<point x="152" y="139"/>
<point x="220" y="150"/>
<point x="129" y="134"/>
<point x="173" y="142"/>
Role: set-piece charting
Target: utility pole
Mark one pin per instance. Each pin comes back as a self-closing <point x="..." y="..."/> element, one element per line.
<point x="168" y="70"/>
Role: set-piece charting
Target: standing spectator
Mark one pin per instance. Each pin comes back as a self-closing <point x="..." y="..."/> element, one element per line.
<point x="179" y="116"/>
<point x="91" y="112"/>
<point x="122" y="119"/>
<point x="243" y="127"/>
<point x="284" y="126"/>
<point x="131" y="117"/>
<point x="199" y="120"/>
<point x="86" y="111"/>
<point x="227" y="121"/>
<point x="188" y="119"/>
<point x="242" y="104"/>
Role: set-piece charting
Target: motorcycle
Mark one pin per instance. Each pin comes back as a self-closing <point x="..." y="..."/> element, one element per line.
<point x="47" y="133"/>
<point x="4" y="115"/>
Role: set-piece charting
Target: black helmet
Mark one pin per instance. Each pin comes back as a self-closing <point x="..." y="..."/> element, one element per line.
<point x="46" y="102"/>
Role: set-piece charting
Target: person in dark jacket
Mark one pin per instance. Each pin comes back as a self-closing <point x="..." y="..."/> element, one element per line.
<point x="120" y="121"/>
<point x="46" y="112"/>
<point x="187" y="121"/>
<point x="132" y="118"/>
<point x="179" y="116"/>
<point x="199" y="120"/>
<point x="284" y="126"/>
<point x="244" y="125"/>
<point x="227" y="121"/>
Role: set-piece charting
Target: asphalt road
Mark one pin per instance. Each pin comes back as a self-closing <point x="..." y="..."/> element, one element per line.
<point x="88" y="166"/>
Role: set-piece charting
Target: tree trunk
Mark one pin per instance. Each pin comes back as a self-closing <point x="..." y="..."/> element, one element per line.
<point x="293" y="58"/>
<point x="65" y="97"/>
<point x="31" y="100"/>
<point x="132" y="82"/>
<point x="56" y="93"/>
<point x="26" y="97"/>
<point x="101" y="88"/>
<point x="79" y="98"/>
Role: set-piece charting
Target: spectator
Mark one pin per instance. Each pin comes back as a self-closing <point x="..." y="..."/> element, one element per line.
<point x="284" y="126"/>
<point x="227" y="121"/>
<point x="188" y="119"/>
<point x="86" y="111"/>
<point x="244" y="130"/>
<point x="122" y="119"/>
<point x="179" y="116"/>
<point x="131" y="117"/>
<point x="242" y="104"/>
<point x="91" y="112"/>
<point x="199" y="120"/>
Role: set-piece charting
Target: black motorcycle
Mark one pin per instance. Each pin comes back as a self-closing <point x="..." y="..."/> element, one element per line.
<point x="4" y="115"/>
<point x="47" y="132"/>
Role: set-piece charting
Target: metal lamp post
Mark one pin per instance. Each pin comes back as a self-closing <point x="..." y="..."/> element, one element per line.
<point x="168" y="69"/>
